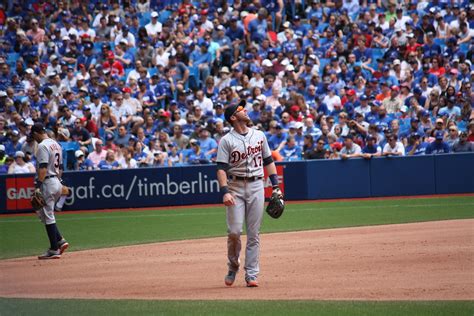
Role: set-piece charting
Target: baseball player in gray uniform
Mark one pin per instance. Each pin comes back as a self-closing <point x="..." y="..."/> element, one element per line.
<point x="241" y="156"/>
<point x="49" y="166"/>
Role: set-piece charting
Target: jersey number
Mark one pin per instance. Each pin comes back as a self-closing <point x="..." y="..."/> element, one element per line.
<point x="257" y="161"/>
<point x="56" y="161"/>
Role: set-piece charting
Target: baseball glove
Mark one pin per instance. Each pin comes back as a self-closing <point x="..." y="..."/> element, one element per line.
<point x="276" y="205"/>
<point x="37" y="200"/>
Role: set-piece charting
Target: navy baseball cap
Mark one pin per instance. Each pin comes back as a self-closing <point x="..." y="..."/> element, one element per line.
<point x="231" y="109"/>
<point x="38" y="127"/>
<point x="439" y="135"/>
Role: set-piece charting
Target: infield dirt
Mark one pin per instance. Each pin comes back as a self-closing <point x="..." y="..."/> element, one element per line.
<point x="418" y="261"/>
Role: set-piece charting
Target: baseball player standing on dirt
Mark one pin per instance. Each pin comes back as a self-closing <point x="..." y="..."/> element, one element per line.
<point x="241" y="156"/>
<point x="48" y="188"/>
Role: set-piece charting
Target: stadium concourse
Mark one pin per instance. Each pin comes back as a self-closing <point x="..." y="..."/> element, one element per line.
<point x="125" y="84"/>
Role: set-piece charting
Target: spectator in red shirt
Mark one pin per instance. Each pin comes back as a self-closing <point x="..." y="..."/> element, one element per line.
<point x="436" y="68"/>
<point x="115" y="67"/>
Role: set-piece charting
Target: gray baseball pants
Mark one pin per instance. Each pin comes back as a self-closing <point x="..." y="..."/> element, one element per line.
<point x="51" y="189"/>
<point x="249" y="202"/>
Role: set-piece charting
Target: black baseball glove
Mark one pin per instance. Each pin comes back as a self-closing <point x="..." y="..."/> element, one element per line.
<point x="276" y="205"/>
<point x="37" y="200"/>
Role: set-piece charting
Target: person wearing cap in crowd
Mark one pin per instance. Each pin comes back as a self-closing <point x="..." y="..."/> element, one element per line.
<point x="114" y="66"/>
<point x="126" y="35"/>
<point x="438" y="146"/>
<point x="424" y="78"/>
<point x="109" y="138"/>
<point x="68" y="28"/>
<point x="80" y="134"/>
<point x="350" y="148"/>
<point x="371" y="148"/>
<point x="195" y="155"/>
<point x="82" y="163"/>
<point x="175" y="157"/>
<point x="206" y="24"/>
<point x="13" y="144"/>
<point x="160" y="55"/>
<point x="224" y="51"/>
<point x="102" y="15"/>
<point x="145" y="54"/>
<point x="85" y="32"/>
<point x="415" y="145"/>
<point x="145" y="95"/>
<point x="430" y="48"/>
<point x="451" y="110"/>
<point x="20" y="166"/>
<point x="154" y="28"/>
<point x="208" y="145"/>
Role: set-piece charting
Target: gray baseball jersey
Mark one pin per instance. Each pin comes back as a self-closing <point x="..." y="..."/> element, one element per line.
<point x="50" y="152"/>
<point x="244" y="154"/>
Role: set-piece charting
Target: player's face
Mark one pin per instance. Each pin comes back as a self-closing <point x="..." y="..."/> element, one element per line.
<point x="36" y="137"/>
<point x="241" y="114"/>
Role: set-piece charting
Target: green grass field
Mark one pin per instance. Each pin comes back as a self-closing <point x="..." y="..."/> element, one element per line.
<point x="329" y="308"/>
<point x="25" y="236"/>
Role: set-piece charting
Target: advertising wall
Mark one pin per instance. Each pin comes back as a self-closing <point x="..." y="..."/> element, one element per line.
<point x="317" y="179"/>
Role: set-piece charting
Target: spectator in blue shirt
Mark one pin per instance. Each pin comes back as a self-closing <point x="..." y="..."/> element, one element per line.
<point x="258" y="27"/>
<point x="371" y="149"/>
<point x="291" y="152"/>
<point x="438" y="146"/>
<point x="416" y="145"/>
<point x="82" y="163"/>
<point x="208" y="145"/>
<point x="452" y="111"/>
<point x="110" y="162"/>
<point x="195" y="155"/>
<point x="202" y="59"/>
<point x="275" y="141"/>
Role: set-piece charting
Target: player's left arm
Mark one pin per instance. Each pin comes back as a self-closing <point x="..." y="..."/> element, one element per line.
<point x="42" y="159"/>
<point x="269" y="165"/>
<point x="42" y="170"/>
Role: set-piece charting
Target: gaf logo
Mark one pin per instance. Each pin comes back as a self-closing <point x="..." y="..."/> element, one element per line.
<point x="19" y="192"/>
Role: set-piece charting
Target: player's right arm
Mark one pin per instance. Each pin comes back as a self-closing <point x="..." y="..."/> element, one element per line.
<point x="227" y="197"/>
<point x="222" y="167"/>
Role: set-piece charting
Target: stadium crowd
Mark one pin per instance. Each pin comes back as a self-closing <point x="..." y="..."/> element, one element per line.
<point x="138" y="83"/>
